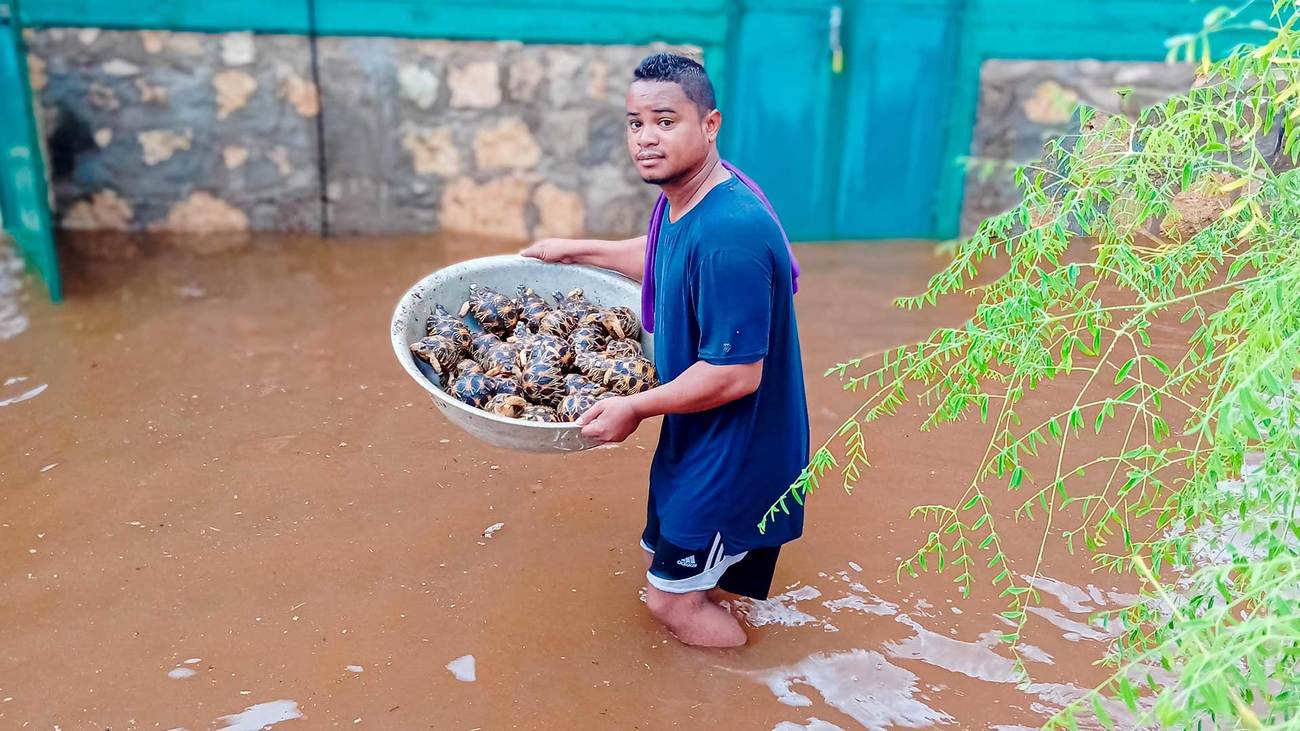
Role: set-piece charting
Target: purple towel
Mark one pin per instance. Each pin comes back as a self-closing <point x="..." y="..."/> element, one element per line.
<point x="652" y="243"/>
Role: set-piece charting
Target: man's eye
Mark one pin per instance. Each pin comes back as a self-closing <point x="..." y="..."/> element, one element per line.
<point x="634" y="124"/>
<point x="665" y="123"/>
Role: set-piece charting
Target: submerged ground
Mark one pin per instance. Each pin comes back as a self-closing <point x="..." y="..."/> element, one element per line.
<point x="224" y="505"/>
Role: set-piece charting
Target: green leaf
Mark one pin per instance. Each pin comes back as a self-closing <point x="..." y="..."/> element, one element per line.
<point x="1124" y="369"/>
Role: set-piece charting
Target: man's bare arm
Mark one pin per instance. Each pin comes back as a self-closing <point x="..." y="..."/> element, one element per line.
<point x="626" y="257"/>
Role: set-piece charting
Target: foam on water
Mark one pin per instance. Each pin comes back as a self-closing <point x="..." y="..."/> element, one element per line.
<point x="814" y="724"/>
<point x="859" y="683"/>
<point x="30" y="394"/>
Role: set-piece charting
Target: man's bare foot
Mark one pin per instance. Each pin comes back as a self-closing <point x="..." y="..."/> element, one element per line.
<point x="694" y="619"/>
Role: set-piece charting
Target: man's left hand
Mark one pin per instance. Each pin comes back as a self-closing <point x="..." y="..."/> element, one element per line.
<point x="610" y="420"/>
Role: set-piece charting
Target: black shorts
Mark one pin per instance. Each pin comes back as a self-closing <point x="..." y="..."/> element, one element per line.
<point x="678" y="570"/>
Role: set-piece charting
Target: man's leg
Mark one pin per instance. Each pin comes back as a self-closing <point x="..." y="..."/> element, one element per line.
<point x="716" y="595"/>
<point x="694" y="619"/>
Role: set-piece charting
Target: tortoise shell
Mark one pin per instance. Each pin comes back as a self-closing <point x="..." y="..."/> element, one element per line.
<point x="532" y="307"/>
<point x="482" y="344"/>
<point x="578" y="383"/>
<point x="558" y="323"/>
<point x="441" y="353"/>
<point x="623" y="348"/>
<point x="602" y="320"/>
<point x="573" y="405"/>
<point x="588" y="338"/>
<point x="547" y="349"/>
<point x="507" y="405"/>
<point x="543" y="382"/>
<point x="509" y="385"/>
<point x="544" y="414"/>
<point x="626" y="376"/>
<point x="466" y="365"/>
<point x="575" y="302"/>
<point x="501" y="359"/>
<point x="627" y="321"/>
<point x="443" y="323"/>
<point x="494" y="311"/>
<point x="474" y="389"/>
<point x="592" y="364"/>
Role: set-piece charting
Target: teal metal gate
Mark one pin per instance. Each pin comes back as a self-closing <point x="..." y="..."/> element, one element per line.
<point x="24" y="198"/>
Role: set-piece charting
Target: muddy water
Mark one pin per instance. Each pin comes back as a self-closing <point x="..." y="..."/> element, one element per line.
<point x="223" y="505"/>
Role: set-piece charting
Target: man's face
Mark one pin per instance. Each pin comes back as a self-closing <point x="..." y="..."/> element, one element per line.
<point x="668" y="137"/>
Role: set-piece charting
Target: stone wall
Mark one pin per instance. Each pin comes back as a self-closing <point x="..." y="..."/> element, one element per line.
<point x="1025" y="103"/>
<point x="185" y="132"/>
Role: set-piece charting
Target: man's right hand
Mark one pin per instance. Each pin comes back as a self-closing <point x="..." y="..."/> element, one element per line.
<point x="554" y="251"/>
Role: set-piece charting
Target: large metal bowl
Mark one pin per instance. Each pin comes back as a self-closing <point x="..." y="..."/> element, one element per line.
<point x="449" y="287"/>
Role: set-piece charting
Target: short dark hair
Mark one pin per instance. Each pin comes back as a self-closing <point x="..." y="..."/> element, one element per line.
<point x="683" y="71"/>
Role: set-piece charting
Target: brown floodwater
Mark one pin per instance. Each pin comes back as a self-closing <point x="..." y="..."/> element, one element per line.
<point x="224" y="505"/>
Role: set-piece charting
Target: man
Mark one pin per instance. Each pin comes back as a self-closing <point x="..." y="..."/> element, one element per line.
<point x="735" y="428"/>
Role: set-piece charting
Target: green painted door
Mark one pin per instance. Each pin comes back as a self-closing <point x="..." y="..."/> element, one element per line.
<point x="849" y="155"/>
<point x="24" y="197"/>
<point x="898" y="71"/>
<point x="780" y="121"/>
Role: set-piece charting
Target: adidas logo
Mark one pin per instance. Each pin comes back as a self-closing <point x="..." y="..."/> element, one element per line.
<point x="688" y="562"/>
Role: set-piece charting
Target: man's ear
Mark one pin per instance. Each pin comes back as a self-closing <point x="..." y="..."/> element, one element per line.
<point x="712" y="123"/>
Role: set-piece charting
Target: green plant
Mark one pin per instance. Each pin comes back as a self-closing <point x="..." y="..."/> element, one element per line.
<point x="1189" y="213"/>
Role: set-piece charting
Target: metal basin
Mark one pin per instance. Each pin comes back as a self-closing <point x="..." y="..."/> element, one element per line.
<point x="449" y="287"/>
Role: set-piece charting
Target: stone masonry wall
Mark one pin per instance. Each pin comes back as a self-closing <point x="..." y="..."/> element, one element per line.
<point x="191" y="133"/>
<point x="1025" y="103"/>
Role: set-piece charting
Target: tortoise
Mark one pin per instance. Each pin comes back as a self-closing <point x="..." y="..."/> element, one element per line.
<point x="544" y="348"/>
<point x="494" y="311"/>
<point x="466" y="365"/>
<point x="573" y="405"/>
<point x="627" y="321"/>
<point x="501" y="359"/>
<point x="602" y="320"/>
<point x="558" y="323"/>
<point x="481" y="344"/>
<point x="588" y="338"/>
<point x="626" y="376"/>
<point x="507" y="405"/>
<point x="443" y="323"/>
<point x="577" y="383"/>
<point x="592" y="364"/>
<point x="441" y="353"/>
<point x="533" y="307"/>
<point x="509" y="385"/>
<point x="623" y="348"/>
<point x="543" y="382"/>
<point x="475" y="389"/>
<point x="575" y="302"/>
<point x="544" y="414"/>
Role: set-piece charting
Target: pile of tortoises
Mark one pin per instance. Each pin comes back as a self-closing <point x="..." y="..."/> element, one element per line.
<point x="533" y="360"/>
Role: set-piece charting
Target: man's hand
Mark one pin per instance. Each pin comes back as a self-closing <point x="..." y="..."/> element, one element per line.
<point x="553" y="251"/>
<point x="610" y="420"/>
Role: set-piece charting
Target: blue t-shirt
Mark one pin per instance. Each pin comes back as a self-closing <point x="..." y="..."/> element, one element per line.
<point x="723" y="295"/>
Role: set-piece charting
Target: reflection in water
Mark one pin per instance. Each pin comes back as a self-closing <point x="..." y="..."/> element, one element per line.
<point x="877" y="693"/>
<point x="28" y="394"/>
<point x="968" y="658"/>
<point x="463" y="668"/>
<point x="261" y="715"/>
